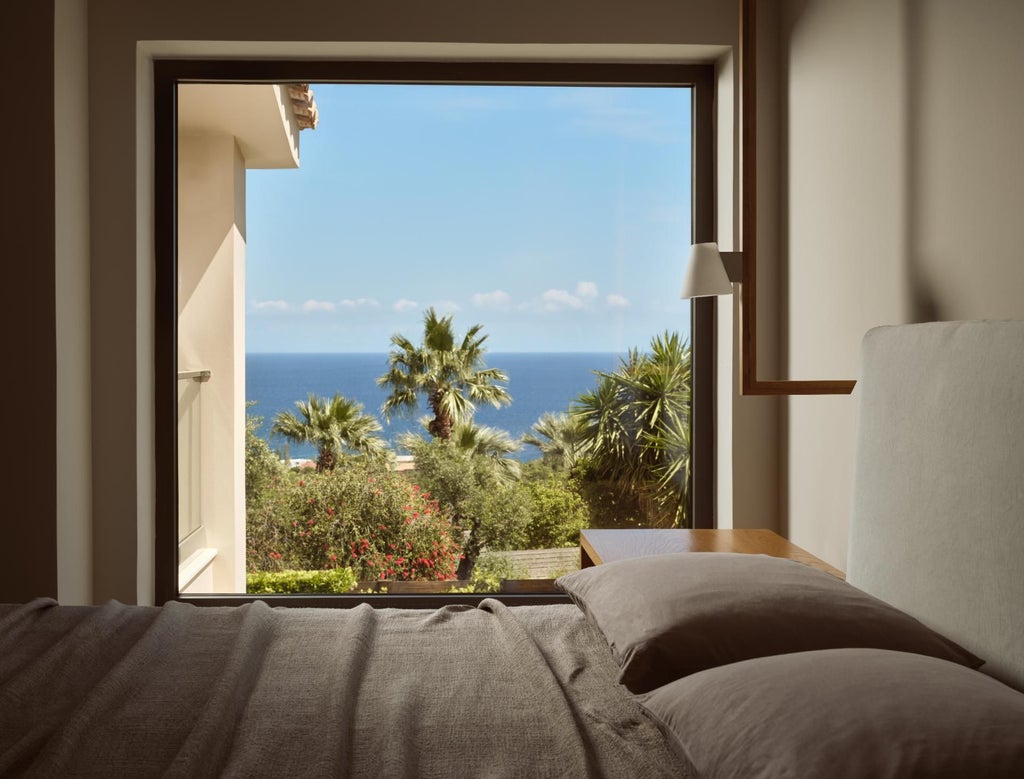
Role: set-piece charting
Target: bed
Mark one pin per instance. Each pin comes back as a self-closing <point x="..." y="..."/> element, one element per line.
<point x="704" y="665"/>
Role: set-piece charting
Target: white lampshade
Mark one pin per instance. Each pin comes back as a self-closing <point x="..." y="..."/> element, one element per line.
<point x="705" y="273"/>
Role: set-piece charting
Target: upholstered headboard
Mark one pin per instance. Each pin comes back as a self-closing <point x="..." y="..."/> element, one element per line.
<point x="937" y="525"/>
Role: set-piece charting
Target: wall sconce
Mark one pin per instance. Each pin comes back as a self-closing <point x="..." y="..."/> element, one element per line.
<point x="710" y="271"/>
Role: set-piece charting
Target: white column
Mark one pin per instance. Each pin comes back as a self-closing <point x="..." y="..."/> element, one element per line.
<point x="211" y="336"/>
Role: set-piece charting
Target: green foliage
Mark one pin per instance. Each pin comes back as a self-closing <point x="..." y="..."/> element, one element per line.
<point x="335" y="427"/>
<point x="334" y="580"/>
<point x="612" y="504"/>
<point x="636" y="430"/>
<point x="363" y="516"/>
<point x="446" y="472"/>
<point x="558" y="513"/>
<point x="261" y="464"/>
<point x="490" y="569"/>
<point x="449" y="373"/>
<point x="560" y="439"/>
<point x="503" y="515"/>
<point x="491" y="512"/>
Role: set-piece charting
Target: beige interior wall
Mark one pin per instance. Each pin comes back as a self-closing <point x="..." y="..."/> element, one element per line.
<point x="755" y="419"/>
<point x="901" y="190"/>
<point x="74" y="395"/>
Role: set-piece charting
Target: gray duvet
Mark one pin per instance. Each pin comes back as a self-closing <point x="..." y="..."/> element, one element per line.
<point x="180" y="690"/>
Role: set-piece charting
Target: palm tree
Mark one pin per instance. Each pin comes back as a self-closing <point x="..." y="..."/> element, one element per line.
<point x="334" y="427"/>
<point x="491" y="445"/>
<point x="450" y="373"/>
<point x="559" y="437"/>
<point x="636" y="428"/>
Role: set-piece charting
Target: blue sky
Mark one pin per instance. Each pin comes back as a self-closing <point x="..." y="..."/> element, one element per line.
<point x="557" y="217"/>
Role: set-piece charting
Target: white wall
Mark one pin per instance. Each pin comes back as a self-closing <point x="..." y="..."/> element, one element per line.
<point x="902" y="189"/>
<point x="211" y="336"/>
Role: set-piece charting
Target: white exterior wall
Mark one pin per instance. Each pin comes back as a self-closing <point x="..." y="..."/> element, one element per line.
<point x="211" y="336"/>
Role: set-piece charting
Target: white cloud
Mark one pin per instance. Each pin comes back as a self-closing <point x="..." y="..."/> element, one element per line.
<point x="317" y="305"/>
<point x="270" y="305"/>
<point x="499" y="298"/>
<point x="447" y="306"/>
<point x="404" y="304"/>
<point x="616" y="301"/>
<point x="586" y="289"/>
<point x="359" y="303"/>
<point x="558" y="299"/>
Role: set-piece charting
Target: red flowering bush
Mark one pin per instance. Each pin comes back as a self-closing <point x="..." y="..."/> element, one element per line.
<point x="363" y="517"/>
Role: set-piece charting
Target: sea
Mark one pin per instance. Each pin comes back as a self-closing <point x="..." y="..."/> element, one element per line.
<point x="538" y="383"/>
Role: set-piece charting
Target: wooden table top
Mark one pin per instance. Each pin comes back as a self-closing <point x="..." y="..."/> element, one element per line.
<point x="605" y="546"/>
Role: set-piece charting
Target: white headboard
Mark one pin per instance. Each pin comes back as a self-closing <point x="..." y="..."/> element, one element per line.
<point x="937" y="527"/>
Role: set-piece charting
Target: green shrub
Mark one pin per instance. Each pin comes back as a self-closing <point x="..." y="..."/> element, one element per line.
<point x="361" y="515"/>
<point x="330" y="581"/>
<point x="503" y="515"/>
<point x="490" y="569"/>
<point x="261" y="464"/>
<point x="490" y="512"/>
<point x="559" y="512"/>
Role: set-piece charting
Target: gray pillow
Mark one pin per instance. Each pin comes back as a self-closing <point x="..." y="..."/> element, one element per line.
<point x="671" y="615"/>
<point x="843" y="713"/>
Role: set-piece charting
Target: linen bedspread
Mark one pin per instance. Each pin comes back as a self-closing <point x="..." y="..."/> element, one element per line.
<point x="252" y="690"/>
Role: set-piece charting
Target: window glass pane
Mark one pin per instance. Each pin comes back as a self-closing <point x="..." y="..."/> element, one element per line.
<point x="554" y="218"/>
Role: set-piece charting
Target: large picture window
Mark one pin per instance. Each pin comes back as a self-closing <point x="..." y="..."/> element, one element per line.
<point x="417" y="324"/>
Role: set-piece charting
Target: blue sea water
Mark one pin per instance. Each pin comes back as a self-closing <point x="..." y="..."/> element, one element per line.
<point x="538" y="383"/>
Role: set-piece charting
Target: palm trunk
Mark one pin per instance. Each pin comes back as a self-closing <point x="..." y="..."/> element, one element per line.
<point x="326" y="461"/>
<point x="441" y="425"/>
<point x="470" y="549"/>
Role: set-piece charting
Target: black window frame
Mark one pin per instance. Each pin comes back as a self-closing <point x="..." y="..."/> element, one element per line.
<point x="169" y="73"/>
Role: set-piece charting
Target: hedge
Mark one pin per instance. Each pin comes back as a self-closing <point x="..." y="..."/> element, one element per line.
<point x="273" y="582"/>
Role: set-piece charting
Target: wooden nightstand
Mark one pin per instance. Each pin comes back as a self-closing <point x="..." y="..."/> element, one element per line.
<point x="605" y="546"/>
